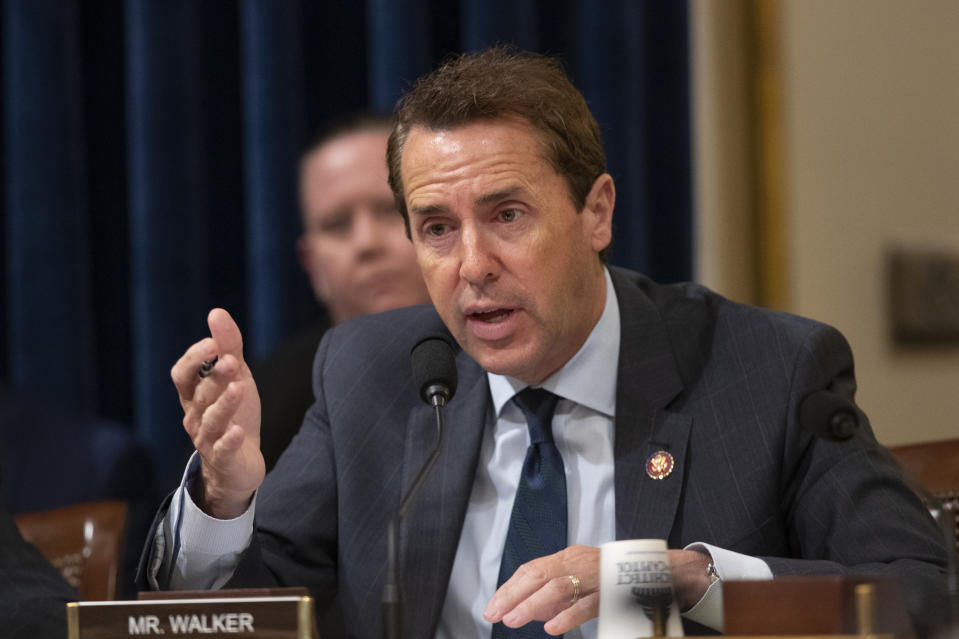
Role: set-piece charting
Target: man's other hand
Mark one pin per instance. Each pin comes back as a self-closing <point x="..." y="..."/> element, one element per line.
<point x="690" y="576"/>
<point x="221" y="413"/>
<point x="542" y="590"/>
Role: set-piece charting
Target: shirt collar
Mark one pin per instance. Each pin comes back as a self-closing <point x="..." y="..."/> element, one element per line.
<point x="589" y="378"/>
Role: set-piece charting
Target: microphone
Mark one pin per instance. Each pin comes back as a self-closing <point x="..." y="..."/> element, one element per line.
<point x="434" y="369"/>
<point x="434" y="372"/>
<point x="829" y="415"/>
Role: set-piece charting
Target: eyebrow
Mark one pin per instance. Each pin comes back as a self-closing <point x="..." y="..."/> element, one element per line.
<point x="482" y="200"/>
<point x="429" y="209"/>
<point x="495" y="196"/>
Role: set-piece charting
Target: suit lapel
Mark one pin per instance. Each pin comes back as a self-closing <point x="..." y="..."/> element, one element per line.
<point x="647" y="380"/>
<point x="430" y="532"/>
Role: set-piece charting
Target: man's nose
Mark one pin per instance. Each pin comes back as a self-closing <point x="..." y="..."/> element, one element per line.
<point x="368" y="231"/>
<point x="479" y="262"/>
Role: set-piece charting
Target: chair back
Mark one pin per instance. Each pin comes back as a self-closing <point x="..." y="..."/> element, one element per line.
<point x="84" y="541"/>
<point x="935" y="467"/>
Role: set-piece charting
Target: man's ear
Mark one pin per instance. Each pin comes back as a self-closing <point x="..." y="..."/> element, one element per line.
<point x="307" y="259"/>
<point x="598" y="211"/>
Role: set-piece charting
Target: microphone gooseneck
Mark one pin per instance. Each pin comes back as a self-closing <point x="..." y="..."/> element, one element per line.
<point x="434" y="372"/>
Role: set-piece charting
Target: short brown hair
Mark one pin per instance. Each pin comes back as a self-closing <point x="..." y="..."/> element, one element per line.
<point x="498" y="82"/>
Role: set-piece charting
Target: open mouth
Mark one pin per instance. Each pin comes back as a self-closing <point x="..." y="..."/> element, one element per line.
<point x="493" y="317"/>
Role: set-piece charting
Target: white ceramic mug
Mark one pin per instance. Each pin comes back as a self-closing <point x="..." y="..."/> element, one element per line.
<point x="636" y="591"/>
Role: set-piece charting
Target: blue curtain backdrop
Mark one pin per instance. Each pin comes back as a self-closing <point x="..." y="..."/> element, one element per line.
<point x="149" y="155"/>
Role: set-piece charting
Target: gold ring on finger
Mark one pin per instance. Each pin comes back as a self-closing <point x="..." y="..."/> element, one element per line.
<point x="573" y="579"/>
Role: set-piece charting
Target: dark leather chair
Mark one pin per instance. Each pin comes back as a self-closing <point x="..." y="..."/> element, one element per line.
<point x="84" y="541"/>
<point x="51" y="459"/>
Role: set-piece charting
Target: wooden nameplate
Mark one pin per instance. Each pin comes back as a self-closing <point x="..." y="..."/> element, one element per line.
<point x="276" y="613"/>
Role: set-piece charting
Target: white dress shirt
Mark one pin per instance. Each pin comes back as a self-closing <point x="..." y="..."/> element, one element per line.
<point x="583" y="431"/>
<point x="206" y="550"/>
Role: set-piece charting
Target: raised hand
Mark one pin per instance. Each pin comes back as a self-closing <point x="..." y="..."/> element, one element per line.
<point x="221" y="413"/>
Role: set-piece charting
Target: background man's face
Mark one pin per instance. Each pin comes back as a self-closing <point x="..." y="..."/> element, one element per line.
<point x="510" y="264"/>
<point x="354" y="247"/>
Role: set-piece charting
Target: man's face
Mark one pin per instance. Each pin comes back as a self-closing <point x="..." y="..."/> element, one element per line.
<point x="354" y="246"/>
<point x="509" y="262"/>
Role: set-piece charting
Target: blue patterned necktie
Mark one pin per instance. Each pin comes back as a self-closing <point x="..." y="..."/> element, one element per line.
<point x="537" y="524"/>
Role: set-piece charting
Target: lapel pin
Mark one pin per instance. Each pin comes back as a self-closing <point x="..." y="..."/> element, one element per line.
<point x="659" y="465"/>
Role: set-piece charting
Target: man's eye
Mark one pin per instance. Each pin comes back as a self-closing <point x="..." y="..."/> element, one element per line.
<point x="436" y="229"/>
<point x="509" y="215"/>
<point x="337" y="224"/>
<point x="336" y="227"/>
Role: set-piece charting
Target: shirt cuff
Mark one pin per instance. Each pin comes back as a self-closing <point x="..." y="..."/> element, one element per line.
<point x="730" y="566"/>
<point x="208" y="549"/>
<point x="201" y="533"/>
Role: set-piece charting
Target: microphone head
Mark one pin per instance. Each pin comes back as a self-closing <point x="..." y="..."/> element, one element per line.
<point x="434" y="369"/>
<point x="829" y="415"/>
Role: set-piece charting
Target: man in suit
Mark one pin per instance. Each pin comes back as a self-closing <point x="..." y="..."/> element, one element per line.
<point x="675" y="410"/>
<point x="355" y="254"/>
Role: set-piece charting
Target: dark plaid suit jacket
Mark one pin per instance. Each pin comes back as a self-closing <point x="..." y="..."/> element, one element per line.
<point x="715" y="383"/>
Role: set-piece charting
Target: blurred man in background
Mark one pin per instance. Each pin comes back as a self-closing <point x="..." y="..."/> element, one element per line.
<point x="354" y="250"/>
